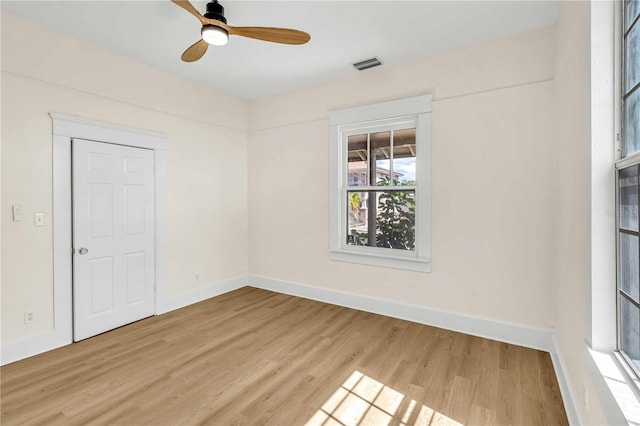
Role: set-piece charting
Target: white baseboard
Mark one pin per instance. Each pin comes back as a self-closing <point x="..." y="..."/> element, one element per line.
<point x="535" y="338"/>
<point x="202" y="293"/>
<point x="25" y="347"/>
<point x="530" y="337"/>
<point x="568" y="397"/>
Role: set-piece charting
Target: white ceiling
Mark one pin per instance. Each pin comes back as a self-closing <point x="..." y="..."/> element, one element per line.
<point x="156" y="32"/>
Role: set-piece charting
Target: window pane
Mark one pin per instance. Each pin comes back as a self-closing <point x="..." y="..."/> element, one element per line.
<point x="632" y="59"/>
<point x="358" y="160"/>
<point x="392" y="219"/>
<point x="357" y="218"/>
<point x="628" y="198"/>
<point x="631" y="10"/>
<point x="630" y="330"/>
<point x="629" y="265"/>
<point x="396" y="220"/>
<point x="632" y="123"/>
<point x="381" y="153"/>
<point x="404" y="156"/>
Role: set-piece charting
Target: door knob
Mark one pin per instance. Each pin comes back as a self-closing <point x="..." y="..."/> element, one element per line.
<point x="83" y="250"/>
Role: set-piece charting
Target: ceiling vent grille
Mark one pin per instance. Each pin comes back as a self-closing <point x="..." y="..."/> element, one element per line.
<point x="366" y="64"/>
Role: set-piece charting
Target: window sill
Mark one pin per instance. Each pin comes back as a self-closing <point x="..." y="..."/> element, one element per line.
<point x="622" y="386"/>
<point x="385" y="261"/>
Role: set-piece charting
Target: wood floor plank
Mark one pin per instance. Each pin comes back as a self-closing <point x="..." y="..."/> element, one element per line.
<point x="254" y="357"/>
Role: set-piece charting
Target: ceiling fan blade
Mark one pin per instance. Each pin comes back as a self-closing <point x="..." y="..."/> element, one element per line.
<point x="195" y="51"/>
<point x="276" y="35"/>
<point x="186" y="5"/>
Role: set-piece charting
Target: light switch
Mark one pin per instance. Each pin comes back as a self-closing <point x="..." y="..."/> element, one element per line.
<point x="38" y="219"/>
<point x="16" y="212"/>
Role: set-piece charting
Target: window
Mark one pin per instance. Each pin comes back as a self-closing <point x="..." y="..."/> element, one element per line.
<point x="380" y="184"/>
<point x="628" y="168"/>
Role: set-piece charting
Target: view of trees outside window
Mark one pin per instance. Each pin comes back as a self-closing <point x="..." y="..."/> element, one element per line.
<point x="629" y="192"/>
<point x="383" y="159"/>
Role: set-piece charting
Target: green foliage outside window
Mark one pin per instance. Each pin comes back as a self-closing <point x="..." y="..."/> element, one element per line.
<point x="396" y="218"/>
<point x="354" y="204"/>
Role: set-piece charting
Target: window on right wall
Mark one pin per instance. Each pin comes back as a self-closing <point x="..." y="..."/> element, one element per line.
<point x="628" y="191"/>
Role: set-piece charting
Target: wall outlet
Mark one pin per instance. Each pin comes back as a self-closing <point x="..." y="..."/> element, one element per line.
<point x="38" y="219"/>
<point x="197" y="276"/>
<point x="28" y="317"/>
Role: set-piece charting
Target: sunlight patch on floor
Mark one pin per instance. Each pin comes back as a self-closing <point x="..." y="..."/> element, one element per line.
<point x="363" y="401"/>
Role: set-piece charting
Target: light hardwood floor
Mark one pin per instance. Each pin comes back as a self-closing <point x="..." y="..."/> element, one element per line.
<point x="257" y="357"/>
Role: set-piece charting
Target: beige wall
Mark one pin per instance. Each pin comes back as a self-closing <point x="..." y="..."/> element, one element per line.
<point x="206" y="194"/>
<point x="491" y="176"/>
<point x="571" y="203"/>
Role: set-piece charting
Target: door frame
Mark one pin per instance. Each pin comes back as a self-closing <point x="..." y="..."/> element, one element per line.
<point x="66" y="128"/>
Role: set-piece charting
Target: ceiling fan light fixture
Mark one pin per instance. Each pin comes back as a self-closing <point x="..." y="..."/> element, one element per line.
<point x="215" y="36"/>
<point x="216" y="32"/>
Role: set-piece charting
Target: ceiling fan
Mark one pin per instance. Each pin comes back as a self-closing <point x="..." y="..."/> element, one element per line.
<point x="216" y="32"/>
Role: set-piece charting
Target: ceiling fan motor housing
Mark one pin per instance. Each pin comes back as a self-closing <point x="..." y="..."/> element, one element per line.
<point x="215" y="11"/>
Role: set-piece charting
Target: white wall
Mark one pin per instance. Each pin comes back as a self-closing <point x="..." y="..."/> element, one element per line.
<point x="570" y="196"/>
<point x="492" y="221"/>
<point x="206" y="195"/>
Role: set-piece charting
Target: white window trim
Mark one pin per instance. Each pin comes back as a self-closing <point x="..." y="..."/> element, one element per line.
<point x="414" y="110"/>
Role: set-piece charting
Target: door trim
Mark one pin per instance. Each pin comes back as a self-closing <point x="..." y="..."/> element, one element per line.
<point x="66" y="128"/>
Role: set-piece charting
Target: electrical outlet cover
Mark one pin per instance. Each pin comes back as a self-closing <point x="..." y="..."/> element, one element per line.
<point x="38" y="219"/>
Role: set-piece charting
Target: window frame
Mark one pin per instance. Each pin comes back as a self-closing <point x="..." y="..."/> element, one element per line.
<point x="370" y="119"/>
<point x="624" y="161"/>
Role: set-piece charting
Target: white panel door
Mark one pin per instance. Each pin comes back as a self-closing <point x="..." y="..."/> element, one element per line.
<point x="113" y="236"/>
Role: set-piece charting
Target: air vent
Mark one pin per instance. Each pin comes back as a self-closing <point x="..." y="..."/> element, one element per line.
<point x="366" y="64"/>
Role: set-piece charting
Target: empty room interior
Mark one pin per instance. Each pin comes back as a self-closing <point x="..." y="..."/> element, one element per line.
<point x="353" y="213"/>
